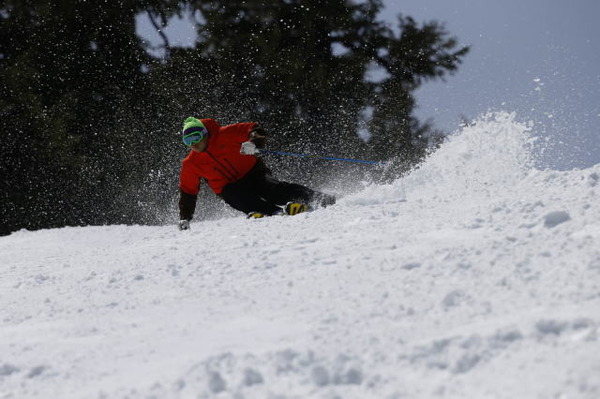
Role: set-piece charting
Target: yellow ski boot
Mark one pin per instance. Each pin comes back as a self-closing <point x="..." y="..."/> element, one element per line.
<point x="255" y="215"/>
<point x="294" y="208"/>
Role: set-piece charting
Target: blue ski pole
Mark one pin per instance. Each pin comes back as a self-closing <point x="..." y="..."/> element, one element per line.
<point x="321" y="157"/>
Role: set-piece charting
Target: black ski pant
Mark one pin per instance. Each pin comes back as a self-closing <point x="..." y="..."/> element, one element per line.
<point x="258" y="191"/>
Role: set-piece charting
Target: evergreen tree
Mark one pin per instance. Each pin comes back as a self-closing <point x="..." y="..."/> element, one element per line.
<point x="66" y="69"/>
<point x="301" y="68"/>
<point x="293" y="64"/>
<point x="417" y="55"/>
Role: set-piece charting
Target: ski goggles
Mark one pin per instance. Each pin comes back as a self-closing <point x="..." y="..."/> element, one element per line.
<point x="194" y="135"/>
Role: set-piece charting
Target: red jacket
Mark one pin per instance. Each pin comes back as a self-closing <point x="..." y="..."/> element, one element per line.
<point x="222" y="162"/>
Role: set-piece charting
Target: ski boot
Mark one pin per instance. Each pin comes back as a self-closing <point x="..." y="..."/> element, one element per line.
<point x="254" y="215"/>
<point x="294" y="208"/>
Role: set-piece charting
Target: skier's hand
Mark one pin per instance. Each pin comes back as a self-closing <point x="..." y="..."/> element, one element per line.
<point x="184" y="224"/>
<point x="248" y="148"/>
<point x="258" y="137"/>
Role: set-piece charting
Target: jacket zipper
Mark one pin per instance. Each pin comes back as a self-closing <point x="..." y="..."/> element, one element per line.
<point x="231" y="176"/>
<point x="232" y="167"/>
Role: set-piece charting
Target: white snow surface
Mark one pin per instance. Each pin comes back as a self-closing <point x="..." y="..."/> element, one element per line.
<point x="475" y="276"/>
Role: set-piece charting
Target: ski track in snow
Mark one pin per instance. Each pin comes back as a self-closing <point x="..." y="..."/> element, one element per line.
<point x="476" y="276"/>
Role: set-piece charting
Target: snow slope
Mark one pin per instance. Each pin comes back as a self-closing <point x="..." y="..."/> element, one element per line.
<point x="476" y="276"/>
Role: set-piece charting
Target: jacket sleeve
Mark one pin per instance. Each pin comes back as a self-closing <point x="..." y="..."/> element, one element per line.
<point x="238" y="131"/>
<point x="187" y="205"/>
<point x="189" y="186"/>
<point x="189" y="180"/>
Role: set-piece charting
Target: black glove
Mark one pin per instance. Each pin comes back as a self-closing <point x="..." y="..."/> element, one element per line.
<point x="184" y="224"/>
<point x="258" y="137"/>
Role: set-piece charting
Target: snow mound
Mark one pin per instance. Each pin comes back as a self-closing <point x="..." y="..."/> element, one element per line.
<point x="491" y="154"/>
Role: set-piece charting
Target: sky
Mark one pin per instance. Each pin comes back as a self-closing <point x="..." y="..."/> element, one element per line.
<point x="537" y="58"/>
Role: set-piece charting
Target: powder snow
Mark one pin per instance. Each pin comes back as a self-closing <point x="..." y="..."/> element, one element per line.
<point x="475" y="276"/>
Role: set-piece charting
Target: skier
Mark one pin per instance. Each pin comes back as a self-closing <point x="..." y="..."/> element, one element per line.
<point x="225" y="157"/>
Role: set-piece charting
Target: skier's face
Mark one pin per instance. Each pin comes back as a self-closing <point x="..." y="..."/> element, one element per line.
<point x="200" y="146"/>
